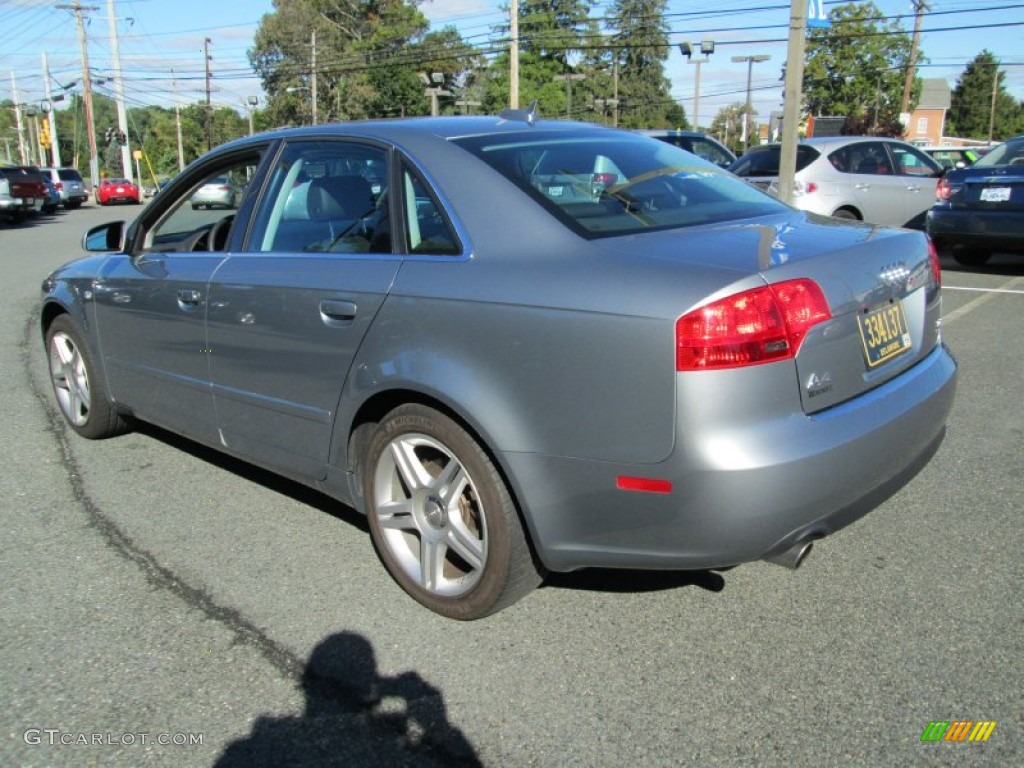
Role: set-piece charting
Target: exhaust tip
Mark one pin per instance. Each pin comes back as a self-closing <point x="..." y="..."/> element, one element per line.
<point x="792" y="558"/>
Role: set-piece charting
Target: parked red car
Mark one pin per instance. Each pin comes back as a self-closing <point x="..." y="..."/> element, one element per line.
<point x="117" y="191"/>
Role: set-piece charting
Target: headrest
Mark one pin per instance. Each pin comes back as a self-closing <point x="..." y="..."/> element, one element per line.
<point x="338" y="197"/>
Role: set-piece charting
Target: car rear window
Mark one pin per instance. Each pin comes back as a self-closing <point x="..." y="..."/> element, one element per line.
<point x="612" y="184"/>
<point x="69" y="174"/>
<point x="764" y="161"/>
<point x="1010" y="153"/>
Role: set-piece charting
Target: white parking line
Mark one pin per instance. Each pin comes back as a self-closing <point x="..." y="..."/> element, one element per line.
<point x="1009" y="286"/>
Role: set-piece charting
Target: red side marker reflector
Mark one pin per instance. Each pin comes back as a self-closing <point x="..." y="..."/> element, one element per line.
<point x="643" y="484"/>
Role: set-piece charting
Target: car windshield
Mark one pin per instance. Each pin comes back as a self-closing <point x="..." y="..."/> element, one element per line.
<point x="1009" y="153"/>
<point x="619" y="184"/>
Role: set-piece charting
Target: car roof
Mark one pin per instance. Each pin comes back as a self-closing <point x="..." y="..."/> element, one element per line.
<point x="443" y="128"/>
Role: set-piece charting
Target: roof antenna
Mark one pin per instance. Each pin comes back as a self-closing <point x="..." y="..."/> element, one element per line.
<point x="528" y="116"/>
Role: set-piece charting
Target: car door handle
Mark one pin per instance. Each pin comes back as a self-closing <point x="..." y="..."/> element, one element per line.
<point x="862" y="185"/>
<point x="337" y="310"/>
<point x="189" y="298"/>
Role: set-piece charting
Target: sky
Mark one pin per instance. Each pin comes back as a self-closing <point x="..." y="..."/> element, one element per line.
<point x="157" y="37"/>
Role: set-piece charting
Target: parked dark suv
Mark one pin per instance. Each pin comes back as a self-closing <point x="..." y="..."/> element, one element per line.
<point x="700" y="144"/>
<point x="69" y="184"/>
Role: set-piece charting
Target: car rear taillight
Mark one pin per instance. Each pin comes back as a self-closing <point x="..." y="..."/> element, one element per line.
<point x="933" y="258"/>
<point x="224" y="188"/>
<point x="59" y="185"/>
<point x="804" y="188"/>
<point x="607" y="179"/>
<point x="758" y="326"/>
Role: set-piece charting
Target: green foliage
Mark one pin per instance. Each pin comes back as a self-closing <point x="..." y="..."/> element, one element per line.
<point x="368" y="55"/>
<point x="639" y="46"/>
<point x="971" y="112"/>
<point x="728" y="125"/>
<point x="856" y="67"/>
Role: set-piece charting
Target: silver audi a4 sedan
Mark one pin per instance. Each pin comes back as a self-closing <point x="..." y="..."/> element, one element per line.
<point x="516" y="345"/>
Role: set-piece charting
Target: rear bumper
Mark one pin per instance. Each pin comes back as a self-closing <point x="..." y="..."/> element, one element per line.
<point x="739" y="496"/>
<point x="992" y="230"/>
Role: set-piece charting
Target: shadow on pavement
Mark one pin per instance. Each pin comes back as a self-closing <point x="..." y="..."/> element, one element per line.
<point x="355" y="717"/>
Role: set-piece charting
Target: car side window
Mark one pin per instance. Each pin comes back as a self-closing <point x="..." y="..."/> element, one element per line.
<point x="870" y="157"/>
<point x="427" y="230"/>
<point x="711" y="152"/>
<point x="912" y="162"/>
<point x="325" y="196"/>
<point x="202" y="219"/>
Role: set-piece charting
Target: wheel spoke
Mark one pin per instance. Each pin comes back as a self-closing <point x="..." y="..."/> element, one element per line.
<point x="396" y="515"/>
<point x="465" y="544"/>
<point x="408" y="464"/>
<point x="432" y="554"/>
<point x="450" y="483"/>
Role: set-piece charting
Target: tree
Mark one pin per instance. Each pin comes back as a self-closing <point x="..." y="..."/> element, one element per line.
<point x="728" y="125"/>
<point x="552" y="39"/>
<point x="638" y="43"/>
<point x="856" y="67"/>
<point x="368" y="53"/>
<point x="971" y="110"/>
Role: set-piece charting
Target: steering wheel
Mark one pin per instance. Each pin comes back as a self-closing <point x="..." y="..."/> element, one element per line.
<point x="218" y="237"/>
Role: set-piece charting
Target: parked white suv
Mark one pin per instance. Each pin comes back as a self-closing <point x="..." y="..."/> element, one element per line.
<point x="70" y="186"/>
<point x="871" y="178"/>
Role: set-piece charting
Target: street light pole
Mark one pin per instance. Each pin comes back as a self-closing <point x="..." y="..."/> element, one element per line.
<point x="750" y="73"/>
<point x="707" y="47"/>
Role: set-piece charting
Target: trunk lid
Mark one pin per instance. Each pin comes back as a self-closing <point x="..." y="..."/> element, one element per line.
<point x="878" y="281"/>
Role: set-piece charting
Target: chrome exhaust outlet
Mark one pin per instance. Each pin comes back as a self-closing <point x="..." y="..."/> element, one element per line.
<point x="792" y="557"/>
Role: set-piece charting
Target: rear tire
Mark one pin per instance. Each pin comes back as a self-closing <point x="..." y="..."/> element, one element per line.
<point x="441" y="517"/>
<point x="973" y="258"/>
<point x="846" y="215"/>
<point x="78" y="385"/>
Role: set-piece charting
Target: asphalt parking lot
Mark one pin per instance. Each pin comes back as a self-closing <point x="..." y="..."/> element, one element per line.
<point x="163" y="605"/>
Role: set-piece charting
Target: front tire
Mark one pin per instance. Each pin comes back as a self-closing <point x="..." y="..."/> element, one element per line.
<point x="81" y="393"/>
<point x="441" y="517"/>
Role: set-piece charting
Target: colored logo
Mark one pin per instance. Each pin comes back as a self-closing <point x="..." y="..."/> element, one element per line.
<point x="958" y="730"/>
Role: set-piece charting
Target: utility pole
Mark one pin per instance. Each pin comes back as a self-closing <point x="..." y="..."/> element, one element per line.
<point x="177" y="123"/>
<point x="513" y="75"/>
<point x="209" y="104"/>
<point x="920" y="8"/>
<point x="992" y="112"/>
<point x="750" y="73"/>
<point x="51" y="116"/>
<point x="312" y="84"/>
<point x="568" y="91"/>
<point x="90" y="127"/>
<point x="17" y="117"/>
<point x="122" y="114"/>
<point x="793" y="97"/>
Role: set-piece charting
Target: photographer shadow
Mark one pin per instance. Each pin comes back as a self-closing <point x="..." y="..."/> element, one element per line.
<point x="355" y="717"/>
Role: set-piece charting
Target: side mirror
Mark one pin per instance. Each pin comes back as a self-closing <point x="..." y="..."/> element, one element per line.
<point x="105" y="237"/>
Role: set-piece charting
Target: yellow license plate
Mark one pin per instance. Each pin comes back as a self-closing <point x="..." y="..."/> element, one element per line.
<point x="884" y="333"/>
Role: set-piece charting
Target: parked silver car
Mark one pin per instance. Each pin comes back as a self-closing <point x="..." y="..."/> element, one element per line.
<point x="538" y="346"/>
<point x="220" y="192"/>
<point x="70" y="186"/>
<point x="870" y="178"/>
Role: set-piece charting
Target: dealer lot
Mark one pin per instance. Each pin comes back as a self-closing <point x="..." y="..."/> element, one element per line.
<point x="154" y="590"/>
